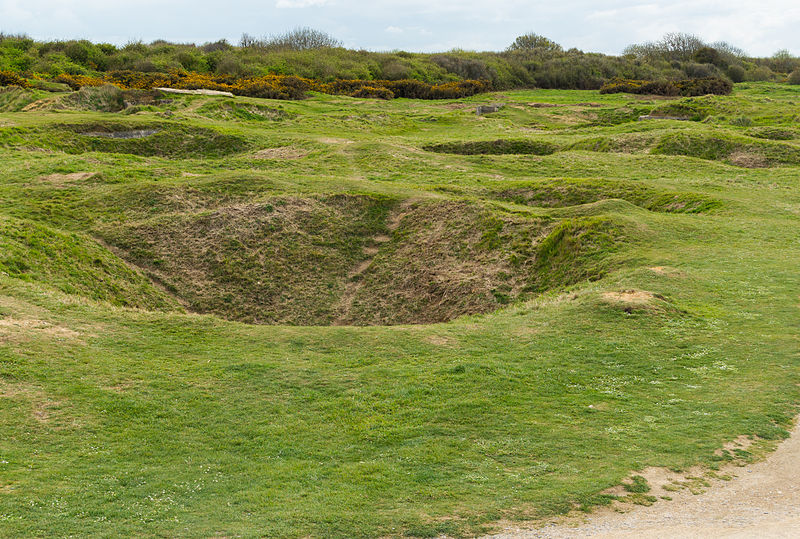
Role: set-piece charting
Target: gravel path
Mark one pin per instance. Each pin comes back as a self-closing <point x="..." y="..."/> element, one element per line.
<point x="763" y="501"/>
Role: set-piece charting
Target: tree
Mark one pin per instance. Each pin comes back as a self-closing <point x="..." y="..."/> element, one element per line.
<point x="783" y="61"/>
<point x="680" y="46"/>
<point x="534" y="42"/>
<point x="299" y="39"/>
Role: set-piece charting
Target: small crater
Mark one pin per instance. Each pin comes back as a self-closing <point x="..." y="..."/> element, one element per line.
<point x="134" y="133"/>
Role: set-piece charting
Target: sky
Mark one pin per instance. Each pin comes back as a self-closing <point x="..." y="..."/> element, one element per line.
<point x="759" y="27"/>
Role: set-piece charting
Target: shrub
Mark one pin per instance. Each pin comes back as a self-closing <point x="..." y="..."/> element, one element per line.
<point x="466" y="68"/>
<point x="76" y="82"/>
<point x="794" y="77"/>
<point x="707" y="55"/>
<point x="659" y="87"/>
<point x="699" y="71"/>
<point x="7" y="78"/>
<point x="221" y="45"/>
<point x="736" y="73"/>
<point x="686" y="88"/>
<point x="78" y="52"/>
<point x="761" y="73"/>
<point x="706" y="86"/>
<point x="394" y="70"/>
<point x="374" y="92"/>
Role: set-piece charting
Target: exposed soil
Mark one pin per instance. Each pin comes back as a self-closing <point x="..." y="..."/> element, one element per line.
<point x="284" y="152"/>
<point x="761" y="500"/>
<point x="67" y="179"/>
<point x="748" y="160"/>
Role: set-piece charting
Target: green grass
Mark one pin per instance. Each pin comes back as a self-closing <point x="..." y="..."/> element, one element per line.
<point x="125" y="412"/>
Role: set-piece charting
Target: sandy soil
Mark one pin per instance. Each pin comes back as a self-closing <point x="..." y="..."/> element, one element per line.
<point x="763" y="501"/>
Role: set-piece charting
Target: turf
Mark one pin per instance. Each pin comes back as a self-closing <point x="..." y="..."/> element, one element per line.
<point x="193" y="330"/>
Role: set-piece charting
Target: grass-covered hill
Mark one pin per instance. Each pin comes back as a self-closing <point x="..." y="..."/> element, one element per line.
<point x="343" y="317"/>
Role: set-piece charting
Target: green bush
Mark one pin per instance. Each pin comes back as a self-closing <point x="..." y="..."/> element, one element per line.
<point x="736" y="73"/>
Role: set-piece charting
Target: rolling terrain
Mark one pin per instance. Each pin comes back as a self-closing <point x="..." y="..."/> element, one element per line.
<point x="344" y="317"/>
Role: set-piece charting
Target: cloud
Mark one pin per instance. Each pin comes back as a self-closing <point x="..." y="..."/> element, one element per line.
<point x="280" y="4"/>
<point x="760" y="27"/>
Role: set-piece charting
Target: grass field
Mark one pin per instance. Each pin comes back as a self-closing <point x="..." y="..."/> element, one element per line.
<point x="355" y="318"/>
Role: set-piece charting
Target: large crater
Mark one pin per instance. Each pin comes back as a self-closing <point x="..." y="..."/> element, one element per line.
<point x="361" y="259"/>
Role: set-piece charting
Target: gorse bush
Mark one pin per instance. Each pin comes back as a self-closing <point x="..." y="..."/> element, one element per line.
<point x="8" y="78"/>
<point x="280" y="86"/>
<point x="686" y="88"/>
<point x="794" y="77"/>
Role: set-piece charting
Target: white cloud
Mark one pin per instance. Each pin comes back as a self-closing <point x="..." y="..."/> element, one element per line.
<point x="299" y="3"/>
<point x="758" y="27"/>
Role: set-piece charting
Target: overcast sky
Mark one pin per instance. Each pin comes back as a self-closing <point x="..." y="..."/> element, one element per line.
<point x="760" y="27"/>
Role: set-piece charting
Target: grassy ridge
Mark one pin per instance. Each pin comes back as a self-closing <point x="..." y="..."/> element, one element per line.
<point x="121" y="421"/>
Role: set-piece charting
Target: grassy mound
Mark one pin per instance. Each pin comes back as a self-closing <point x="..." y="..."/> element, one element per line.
<point x="74" y="264"/>
<point x="232" y="111"/>
<point x="14" y="98"/>
<point x="774" y="133"/>
<point x="576" y="250"/>
<point x="170" y="140"/>
<point x="574" y="191"/>
<point x="737" y="150"/>
<point x="494" y="147"/>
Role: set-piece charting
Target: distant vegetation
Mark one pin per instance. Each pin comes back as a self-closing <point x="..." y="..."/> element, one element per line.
<point x="530" y="61"/>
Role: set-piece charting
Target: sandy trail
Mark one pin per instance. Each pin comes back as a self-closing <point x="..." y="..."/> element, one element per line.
<point x="763" y="501"/>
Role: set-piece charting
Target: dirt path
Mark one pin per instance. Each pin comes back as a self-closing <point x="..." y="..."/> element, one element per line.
<point x="763" y="501"/>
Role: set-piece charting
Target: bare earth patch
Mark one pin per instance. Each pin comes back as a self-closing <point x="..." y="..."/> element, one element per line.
<point x="748" y="160"/>
<point x="630" y="298"/>
<point x="666" y="271"/>
<point x="439" y="340"/>
<point x="67" y="179"/>
<point x="42" y="407"/>
<point x="284" y="152"/>
<point x="757" y="500"/>
<point x="332" y="140"/>
<point x="16" y="329"/>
